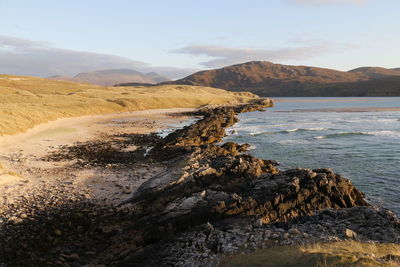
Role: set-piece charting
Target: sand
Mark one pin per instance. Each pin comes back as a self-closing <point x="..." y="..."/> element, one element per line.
<point x="23" y="170"/>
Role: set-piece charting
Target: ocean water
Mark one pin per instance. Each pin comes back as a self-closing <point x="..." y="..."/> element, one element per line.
<point x="358" y="138"/>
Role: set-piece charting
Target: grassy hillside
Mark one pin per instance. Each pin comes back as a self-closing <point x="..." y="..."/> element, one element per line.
<point x="28" y="101"/>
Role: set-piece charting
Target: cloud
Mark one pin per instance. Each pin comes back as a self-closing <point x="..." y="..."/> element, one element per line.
<point x="25" y="57"/>
<point x="324" y="2"/>
<point x="223" y="56"/>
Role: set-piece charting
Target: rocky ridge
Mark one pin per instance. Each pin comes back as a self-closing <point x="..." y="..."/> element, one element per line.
<point x="268" y="79"/>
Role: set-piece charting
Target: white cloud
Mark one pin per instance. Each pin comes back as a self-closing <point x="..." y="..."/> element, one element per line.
<point x="223" y="56"/>
<point x="25" y="57"/>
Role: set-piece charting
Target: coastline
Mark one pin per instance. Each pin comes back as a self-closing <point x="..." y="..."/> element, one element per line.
<point x="208" y="200"/>
<point x="25" y="170"/>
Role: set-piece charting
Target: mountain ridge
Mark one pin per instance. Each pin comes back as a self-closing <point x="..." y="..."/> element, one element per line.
<point x="268" y="79"/>
<point x="377" y="72"/>
<point x="110" y="77"/>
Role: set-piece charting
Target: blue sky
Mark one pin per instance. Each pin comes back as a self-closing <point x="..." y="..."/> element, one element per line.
<point x="176" y="37"/>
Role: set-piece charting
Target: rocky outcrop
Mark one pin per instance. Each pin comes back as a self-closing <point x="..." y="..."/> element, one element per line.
<point x="214" y="199"/>
<point x="211" y="128"/>
<point x="210" y="200"/>
<point x="205" y="244"/>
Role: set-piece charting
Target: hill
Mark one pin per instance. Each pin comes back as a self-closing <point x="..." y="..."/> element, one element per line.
<point x="28" y="101"/>
<point x="113" y="76"/>
<point x="268" y="79"/>
<point x="376" y="72"/>
<point x="388" y="86"/>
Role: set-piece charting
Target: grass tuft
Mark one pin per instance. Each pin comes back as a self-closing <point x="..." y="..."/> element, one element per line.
<point x="344" y="253"/>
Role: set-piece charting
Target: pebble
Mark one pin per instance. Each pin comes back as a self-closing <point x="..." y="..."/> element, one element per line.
<point x="294" y="231"/>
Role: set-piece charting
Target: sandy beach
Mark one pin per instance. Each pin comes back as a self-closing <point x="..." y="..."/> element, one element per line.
<point x="25" y="171"/>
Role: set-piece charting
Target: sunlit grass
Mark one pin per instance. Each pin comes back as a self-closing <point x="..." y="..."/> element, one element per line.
<point x="346" y="253"/>
<point x="28" y="101"/>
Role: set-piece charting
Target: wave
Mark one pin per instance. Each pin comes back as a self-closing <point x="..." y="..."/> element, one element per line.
<point x="257" y="133"/>
<point x="303" y="130"/>
<point x="387" y="120"/>
<point x="252" y="147"/>
<point x="349" y="134"/>
<point x="290" y="141"/>
<point x="385" y="133"/>
<point x="368" y="120"/>
<point x="341" y="134"/>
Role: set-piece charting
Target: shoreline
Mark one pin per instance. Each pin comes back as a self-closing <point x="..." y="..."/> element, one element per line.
<point x="207" y="201"/>
<point x="24" y="170"/>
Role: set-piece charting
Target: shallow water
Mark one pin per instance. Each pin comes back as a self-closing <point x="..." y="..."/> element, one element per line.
<point x="358" y="138"/>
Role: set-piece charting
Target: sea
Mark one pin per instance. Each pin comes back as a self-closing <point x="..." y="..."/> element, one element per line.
<point x="359" y="138"/>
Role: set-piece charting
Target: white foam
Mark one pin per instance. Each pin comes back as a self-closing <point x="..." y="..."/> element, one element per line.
<point x="252" y="147"/>
<point x="317" y="129"/>
<point x="256" y="133"/>
<point x="290" y="141"/>
<point x="292" y="130"/>
<point x="385" y="133"/>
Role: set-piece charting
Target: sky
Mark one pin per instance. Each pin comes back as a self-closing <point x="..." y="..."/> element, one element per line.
<point x="178" y="37"/>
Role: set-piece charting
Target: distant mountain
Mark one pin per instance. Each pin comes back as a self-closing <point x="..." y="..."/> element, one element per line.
<point x="269" y="79"/>
<point x="113" y="76"/>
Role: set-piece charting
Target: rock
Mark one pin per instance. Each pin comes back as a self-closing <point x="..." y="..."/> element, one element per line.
<point x="350" y="233"/>
<point x="90" y="253"/>
<point x="294" y="231"/>
<point x="57" y="232"/>
<point x="15" y="219"/>
<point x="391" y="257"/>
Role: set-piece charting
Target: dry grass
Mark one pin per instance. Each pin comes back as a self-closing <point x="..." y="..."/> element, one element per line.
<point x="346" y="253"/>
<point x="28" y="101"/>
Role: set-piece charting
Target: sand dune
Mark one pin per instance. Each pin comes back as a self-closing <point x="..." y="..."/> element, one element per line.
<point x="28" y="101"/>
